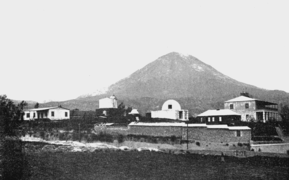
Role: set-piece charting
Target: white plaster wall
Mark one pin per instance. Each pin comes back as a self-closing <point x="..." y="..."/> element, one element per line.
<point x="31" y="115"/>
<point x="175" y="105"/>
<point x="107" y="103"/>
<point x="169" y="114"/>
<point x="59" y="114"/>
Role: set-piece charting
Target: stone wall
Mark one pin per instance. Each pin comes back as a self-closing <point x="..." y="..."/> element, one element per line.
<point x="156" y="130"/>
<point x="271" y="148"/>
<point x="216" y="135"/>
<point x="204" y="134"/>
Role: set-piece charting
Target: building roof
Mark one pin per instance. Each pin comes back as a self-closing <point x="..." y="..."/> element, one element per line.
<point x="219" y="112"/>
<point x="241" y="98"/>
<point x="45" y="108"/>
<point x="134" y="111"/>
<point x="244" y="98"/>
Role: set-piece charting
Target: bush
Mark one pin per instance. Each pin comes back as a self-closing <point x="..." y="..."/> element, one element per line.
<point x="198" y="144"/>
<point x="120" y="138"/>
<point x="42" y="134"/>
<point x="173" y="138"/>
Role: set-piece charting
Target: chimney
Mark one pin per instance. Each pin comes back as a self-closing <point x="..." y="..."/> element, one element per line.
<point x="245" y="94"/>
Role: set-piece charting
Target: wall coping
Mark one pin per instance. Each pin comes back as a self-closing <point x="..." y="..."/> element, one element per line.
<point x="278" y="144"/>
<point x="222" y="126"/>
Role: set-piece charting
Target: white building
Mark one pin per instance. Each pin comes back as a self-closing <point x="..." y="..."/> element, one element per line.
<point x="134" y="112"/>
<point x="171" y="109"/>
<point x="52" y="113"/>
<point x="110" y="102"/>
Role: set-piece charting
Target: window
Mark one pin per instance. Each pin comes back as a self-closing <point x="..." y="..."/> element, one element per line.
<point x="213" y="119"/>
<point x="247" y="117"/>
<point x="52" y="113"/>
<point x="247" y="106"/>
<point x="231" y="106"/>
<point x="209" y="119"/>
<point x="28" y="115"/>
<point x="220" y="119"/>
<point x="238" y="133"/>
<point x="170" y="106"/>
<point x="33" y="114"/>
<point x="66" y="114"/>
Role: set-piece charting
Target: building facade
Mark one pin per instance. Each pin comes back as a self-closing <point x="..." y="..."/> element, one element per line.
<point x="110" y="102"/>
<point x="171" y="109"/>
<point x="52" y="113"/>
<point x="219" y="116"/>
<point x="252" y="109"/>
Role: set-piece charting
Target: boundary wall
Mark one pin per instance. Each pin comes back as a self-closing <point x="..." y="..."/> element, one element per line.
<point x="194" y="132"/>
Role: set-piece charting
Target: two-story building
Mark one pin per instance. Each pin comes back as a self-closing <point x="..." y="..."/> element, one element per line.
<point x="252" y="109"/>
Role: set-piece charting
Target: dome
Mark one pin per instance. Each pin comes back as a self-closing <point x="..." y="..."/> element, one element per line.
<point x="171" y="105"/>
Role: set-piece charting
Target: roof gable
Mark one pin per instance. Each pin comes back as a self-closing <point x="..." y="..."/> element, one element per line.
<point x="219" y="112"/>
<point x="241" y="98"/>
<point x="45" y="108"/>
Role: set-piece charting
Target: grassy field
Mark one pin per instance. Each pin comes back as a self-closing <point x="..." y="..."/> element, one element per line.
<point x="111" y="164"/>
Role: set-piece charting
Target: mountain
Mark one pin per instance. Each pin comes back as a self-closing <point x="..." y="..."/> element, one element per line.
<point x="196" y="85"/>
<point x="176" y="76"/>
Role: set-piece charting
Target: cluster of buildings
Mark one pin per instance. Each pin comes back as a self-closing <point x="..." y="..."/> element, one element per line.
<point x="211" y="130"/>
<point x="242" y="108"/>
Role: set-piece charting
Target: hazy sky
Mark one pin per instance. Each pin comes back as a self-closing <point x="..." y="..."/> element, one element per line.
<point x="59" y="50"/>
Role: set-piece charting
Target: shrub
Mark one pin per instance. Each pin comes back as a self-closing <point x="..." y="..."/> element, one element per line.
<point x="120" y="138"/>
<point x="154" y="140"/>
<point x="75" y="136"/>
<point x="62" y="136"/>
<point x="240" y="144"/>
<point x="105" y="137"/>
<point x="198" y="144"/>
<point x="173" y="138"/>
<point x="42" y="134"/>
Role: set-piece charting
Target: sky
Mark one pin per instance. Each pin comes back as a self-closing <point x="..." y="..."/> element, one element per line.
<point x="60" y="49"/>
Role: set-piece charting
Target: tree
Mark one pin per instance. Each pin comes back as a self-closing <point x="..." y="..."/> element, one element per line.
<point x="284" y="113"/>
<point x="36" y="105"/>
<point x="10" y="114"/>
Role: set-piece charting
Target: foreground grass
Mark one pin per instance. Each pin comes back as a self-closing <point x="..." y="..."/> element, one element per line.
<point x="111" y="164"/>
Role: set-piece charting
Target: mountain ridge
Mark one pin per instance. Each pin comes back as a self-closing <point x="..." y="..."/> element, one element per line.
<point x="195" y="84"/>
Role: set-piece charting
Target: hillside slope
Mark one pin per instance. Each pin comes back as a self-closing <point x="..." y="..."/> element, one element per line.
<point x="196" y="85"/>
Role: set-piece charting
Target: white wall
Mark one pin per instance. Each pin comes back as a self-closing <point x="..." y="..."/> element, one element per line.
<point x="59" y="114"/>
<point x="31" y="115"/>
<point x="107" y="103"/>
<point x="169" y="114"/>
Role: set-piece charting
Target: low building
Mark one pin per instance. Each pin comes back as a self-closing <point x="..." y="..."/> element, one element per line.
<point x="219" y="116"/>
<point x="52" y="113"/>
<point x="171" y="109"/>
<point x="252" y="109"/>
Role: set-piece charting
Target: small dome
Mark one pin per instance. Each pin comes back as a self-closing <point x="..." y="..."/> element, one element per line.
<point x="171" y="105"/>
